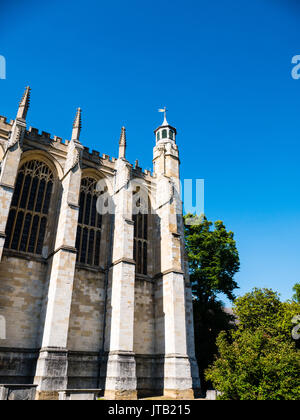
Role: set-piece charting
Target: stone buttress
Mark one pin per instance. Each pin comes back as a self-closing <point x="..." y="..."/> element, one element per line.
<point x="51" y="372"/>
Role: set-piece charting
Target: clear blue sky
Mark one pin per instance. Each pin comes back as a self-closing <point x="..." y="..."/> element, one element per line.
<point x="223" y="68"/>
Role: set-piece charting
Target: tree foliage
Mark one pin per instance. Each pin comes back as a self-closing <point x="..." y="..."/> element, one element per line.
<point x="259" y="359"/>
<point x="213" y="258"/>
<point x="296" y="289"/>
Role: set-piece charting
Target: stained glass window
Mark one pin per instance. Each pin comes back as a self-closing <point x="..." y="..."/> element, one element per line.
<point x="141" y="243"/>
<point x="88" y="236"/>
<point x="27" y="220"/>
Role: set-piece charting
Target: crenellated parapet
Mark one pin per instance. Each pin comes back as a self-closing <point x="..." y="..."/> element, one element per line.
<point x="58" y="148"/>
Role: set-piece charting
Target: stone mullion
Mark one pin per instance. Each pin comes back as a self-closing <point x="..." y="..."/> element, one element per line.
<point x="81" y="226"/>
<point x="30" y="229"/>
<point x="25" y="214"/>
<point x="91" y="207"/>
<point x="94" y="247"/>
<point x="82" y="223"/>
<point x="41" y="215"/>
<point x="37" y="233"/>
<point x="87" y="245"/>
<point x="32" y="212"/>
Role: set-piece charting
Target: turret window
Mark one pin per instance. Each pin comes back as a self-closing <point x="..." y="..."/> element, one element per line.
<point x="158" y="136"/>
<point x="27" y="220"/>
<point x="164" y="134"/>
<point x="171" y="134"/>
<point x="88" y="236"/>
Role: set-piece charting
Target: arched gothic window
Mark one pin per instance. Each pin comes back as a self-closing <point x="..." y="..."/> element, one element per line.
<point x="27" y="220"/>
<point x="141" y="243"/>
<point x="89" y="224"/>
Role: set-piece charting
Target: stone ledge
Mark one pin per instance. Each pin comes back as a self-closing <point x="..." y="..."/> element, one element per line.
<point x="24" y="255"/>
<point x="8" y="187"/>
<point x="80" y="394"/>
<point x="123" y="260"/>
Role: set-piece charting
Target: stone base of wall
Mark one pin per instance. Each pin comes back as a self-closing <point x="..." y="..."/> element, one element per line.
<point x="179" y="394"/>
<point x="120" y="395"/>
<point x="150" y="375"/>
<point x="17" y="392"/>
<point x="151" y="379"/>
<point x="51" y="371"/>
<point x="83" y="370"/>
<point x="17" y="366"/>
<point x="47" y="396"/>
<point x="120" y="381"/>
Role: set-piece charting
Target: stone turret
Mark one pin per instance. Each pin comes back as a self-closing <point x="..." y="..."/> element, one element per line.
<point x="165" y="155"/>
<point x="180" y="368"/>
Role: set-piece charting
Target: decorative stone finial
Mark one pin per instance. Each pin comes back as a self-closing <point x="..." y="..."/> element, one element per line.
<point x="24" y="104"/>
<point x="122" y="141"/>
<point x="122" y="144"/>
<point x="77" y="126"/>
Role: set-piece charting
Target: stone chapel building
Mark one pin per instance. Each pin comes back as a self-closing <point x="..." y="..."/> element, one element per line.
<point x="92" y="300"/>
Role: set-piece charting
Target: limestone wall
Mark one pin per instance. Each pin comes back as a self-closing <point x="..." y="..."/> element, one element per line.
<point x="87" y="311"/>
<point x="21" y="291"/>
<point x="144" y="326"/>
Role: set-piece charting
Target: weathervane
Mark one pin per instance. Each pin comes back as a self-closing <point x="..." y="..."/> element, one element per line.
<point x="164" y="110"/>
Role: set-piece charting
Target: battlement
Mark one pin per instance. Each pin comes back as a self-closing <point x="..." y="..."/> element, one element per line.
<point x="43" y="136"/>
<point x="143" y="172"/>
<point x="3" y="120"/>
<point x="95" y="156"/>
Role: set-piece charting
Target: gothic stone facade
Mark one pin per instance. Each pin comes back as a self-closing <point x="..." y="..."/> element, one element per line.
<point x="88" y="300"/>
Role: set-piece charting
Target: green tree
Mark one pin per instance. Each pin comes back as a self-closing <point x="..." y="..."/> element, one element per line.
<point x="296" y="289"/>
<point x="258" y="360"/>
<point x="213" y="260"/>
